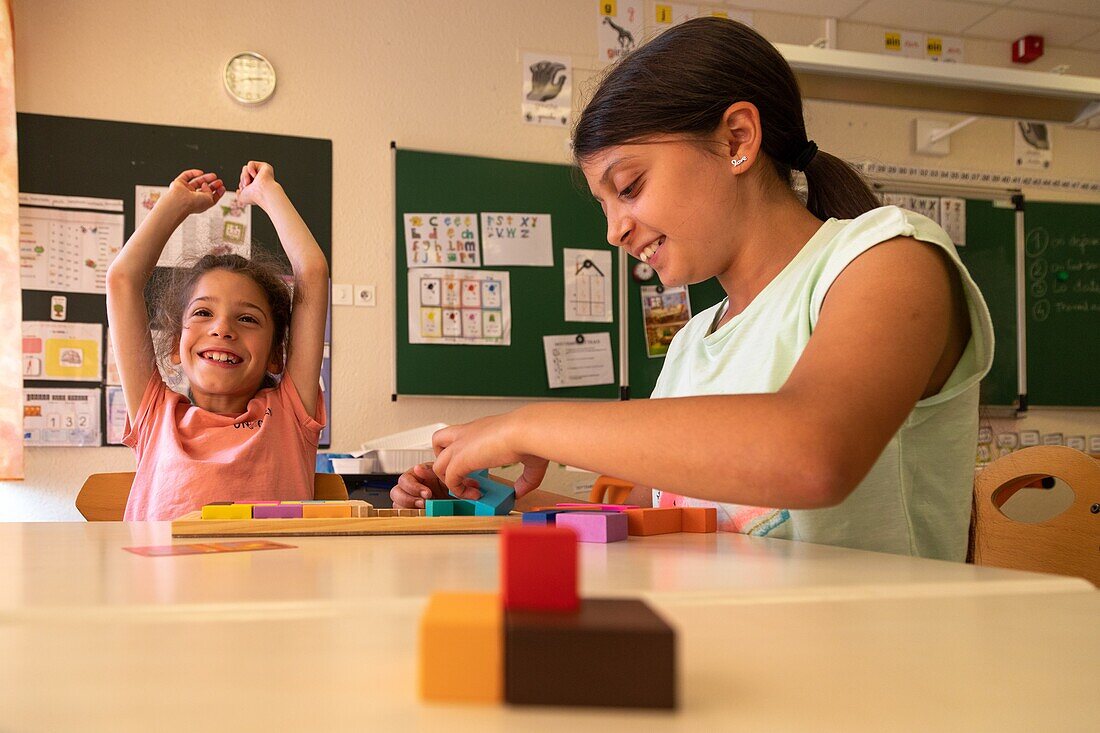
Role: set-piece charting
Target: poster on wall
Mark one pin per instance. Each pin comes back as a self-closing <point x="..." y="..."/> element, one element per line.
<point x="619" y="28"/>
<point x="61" y="417"/>
<point x="62" y="351"/>
<point x="1033" y="148"/>
<point x="517" y="239"/>
<point x="588" y="285"/>
<point x="224" y="228"/>
<point x="461" y="307"/>
<point x="664" y="312"/>
<point x="578" y="360"/>
<point x="67" y="251"/>
<point x="116" y="415"/>
<point x="547" y="95"/>
<point x="441" y="240"/>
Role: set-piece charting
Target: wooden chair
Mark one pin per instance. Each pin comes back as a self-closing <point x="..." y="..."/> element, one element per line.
<point x="103" y="496"/>
<point x="608" y="490"/>
<point x="1068" y="544"/>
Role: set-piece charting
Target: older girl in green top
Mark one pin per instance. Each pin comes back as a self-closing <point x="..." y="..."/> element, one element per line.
<point x="832" y="396"/>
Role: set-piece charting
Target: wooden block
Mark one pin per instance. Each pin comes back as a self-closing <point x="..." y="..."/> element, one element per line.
<point x="599" y="507"/>
<point x="538" y="568"/>
<point x="386" y="512"/>
<point x="227" y="511"/>
<point x="496" y="498"/>
<point x="360" y="508"/>
<point x="277" y="511"/>
<point x="462" y="648"/>
<point x="698" y="519"/>
<point x="611" y="653"/>
<point x="439" y="507"/>
<point x="645" y="522"/>
<point x="595" y="526"/>
<point x="316" y="511"/>
<point x="408" y="513"/>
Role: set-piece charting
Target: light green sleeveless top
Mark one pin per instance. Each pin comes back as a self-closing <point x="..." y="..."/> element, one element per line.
<point x="916" y="499"/>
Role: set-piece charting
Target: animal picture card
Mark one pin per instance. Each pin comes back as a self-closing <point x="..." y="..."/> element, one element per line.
<point x="442" y="240"/>
<point x="461" y="307"/>
<point x="619" y="28"/>
<point x="517" y="239"/>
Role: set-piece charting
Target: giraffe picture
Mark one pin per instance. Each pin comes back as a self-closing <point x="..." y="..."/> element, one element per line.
<point x="619" y="29"/>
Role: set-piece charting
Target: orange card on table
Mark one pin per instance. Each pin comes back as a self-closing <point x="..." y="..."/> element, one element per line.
<point x="202" y="548"/>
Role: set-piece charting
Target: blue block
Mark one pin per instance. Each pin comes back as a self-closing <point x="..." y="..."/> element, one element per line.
<point x="544" y="519"/>
<point x="439" y="508"/>
<point x="496" y="498"/>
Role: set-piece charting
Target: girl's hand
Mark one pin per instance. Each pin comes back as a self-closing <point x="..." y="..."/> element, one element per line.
<point x="257" y="182"/>
<point x="419" y="484"/>
<point x="485" y="443"/>
<point x="194" y="191"/>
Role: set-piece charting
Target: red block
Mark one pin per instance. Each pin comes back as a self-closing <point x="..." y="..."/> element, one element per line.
<point x="538" y="568"/>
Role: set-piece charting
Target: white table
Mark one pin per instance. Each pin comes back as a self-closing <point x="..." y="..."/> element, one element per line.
<point x="773" y="635"/>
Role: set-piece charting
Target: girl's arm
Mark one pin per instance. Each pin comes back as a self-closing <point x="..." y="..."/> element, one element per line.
<point x="191" y="192"/>
<point x="307" y="318"/>
<point x="884" y="328"/>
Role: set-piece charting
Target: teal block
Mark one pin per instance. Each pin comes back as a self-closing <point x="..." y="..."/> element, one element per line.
<point x="496" y="498"/>
<point x="439" y="508"/>
<point x="464" y="508"/>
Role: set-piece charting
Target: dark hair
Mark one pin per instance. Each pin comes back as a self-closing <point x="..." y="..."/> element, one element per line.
<point x="683" y="81"/>
<point x="171" y="294"/>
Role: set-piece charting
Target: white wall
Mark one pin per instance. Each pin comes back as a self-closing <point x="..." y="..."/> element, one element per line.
<point x="430" y="74"/>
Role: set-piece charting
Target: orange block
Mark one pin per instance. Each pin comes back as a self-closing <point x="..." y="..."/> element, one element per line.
<point x="699" y="519"/>
<point x="462" y="648"/>
<point x="644" y="522"/>
<point x="315" y="511"/>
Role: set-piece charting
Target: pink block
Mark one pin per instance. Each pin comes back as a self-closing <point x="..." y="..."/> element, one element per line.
<point x="595" y="526"/>
<point x="277" y="511"/>
<point x="599" y="507"/>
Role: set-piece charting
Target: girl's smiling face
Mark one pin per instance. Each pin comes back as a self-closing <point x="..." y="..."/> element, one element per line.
<point x="225" y="346"/>
<point x="669" y="202"/>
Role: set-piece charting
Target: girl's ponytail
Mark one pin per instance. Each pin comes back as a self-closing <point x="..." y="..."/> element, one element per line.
<point x="834" y="188"/>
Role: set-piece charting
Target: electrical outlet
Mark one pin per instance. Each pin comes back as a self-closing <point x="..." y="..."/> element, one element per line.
<point x="341" y="294"/>
<point x="364" y="295"/>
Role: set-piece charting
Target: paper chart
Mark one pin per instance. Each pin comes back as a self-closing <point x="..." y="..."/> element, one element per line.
<point x="224" y="228"/>
<point x="67" y="251"/>
<point x="61" y="417"/>
<point x="464" y="307"/>
<point x="441" y="240"/>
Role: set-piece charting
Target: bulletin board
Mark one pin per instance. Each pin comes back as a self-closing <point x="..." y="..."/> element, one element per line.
<point x="100" y="159"/>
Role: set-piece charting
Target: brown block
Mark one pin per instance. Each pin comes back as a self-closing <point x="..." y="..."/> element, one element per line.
<point x="611" y="653"/>
<point x="698" y="519"/>
<point x="644" y="522"/>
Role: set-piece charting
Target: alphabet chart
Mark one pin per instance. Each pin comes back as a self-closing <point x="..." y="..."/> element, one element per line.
<point x="464" y="307"/>
<point x="442" y="240"/>
<point x="517" y="239"/>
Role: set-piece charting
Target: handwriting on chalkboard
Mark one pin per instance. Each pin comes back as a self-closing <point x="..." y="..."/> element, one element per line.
<point x="1063" y="278"/>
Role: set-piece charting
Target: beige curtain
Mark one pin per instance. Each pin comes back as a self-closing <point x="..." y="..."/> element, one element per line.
<point x="11" y="307"/>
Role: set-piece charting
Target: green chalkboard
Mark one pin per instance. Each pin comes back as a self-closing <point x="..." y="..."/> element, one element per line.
<point x="1062" y="248"/>
<point x="436" y="182"/>
<point x="990" y="256"/>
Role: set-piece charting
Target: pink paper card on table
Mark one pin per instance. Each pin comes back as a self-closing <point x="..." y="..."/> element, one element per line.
<point x="202" y="548"/>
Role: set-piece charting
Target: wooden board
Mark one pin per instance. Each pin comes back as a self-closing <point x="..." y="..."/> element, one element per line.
<point x="192" y="525"/>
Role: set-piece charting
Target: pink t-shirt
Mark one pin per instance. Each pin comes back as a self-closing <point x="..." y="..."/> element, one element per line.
<point x="188" y="456"/>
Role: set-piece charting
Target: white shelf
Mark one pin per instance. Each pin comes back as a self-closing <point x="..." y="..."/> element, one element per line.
<point x="868" y="78"/>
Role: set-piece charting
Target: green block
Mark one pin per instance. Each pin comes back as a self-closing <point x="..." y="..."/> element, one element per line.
<point x="439" y="508"/>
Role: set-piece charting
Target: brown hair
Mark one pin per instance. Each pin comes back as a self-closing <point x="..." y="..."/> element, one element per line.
<point x="172" y="293"/>
<point x="683" y="81"/>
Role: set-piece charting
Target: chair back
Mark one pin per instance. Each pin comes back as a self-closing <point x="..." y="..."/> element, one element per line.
<point x="1066" y="544"/>
<point x="103" y="496"/>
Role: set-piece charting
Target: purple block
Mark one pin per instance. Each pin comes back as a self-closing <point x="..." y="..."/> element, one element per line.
<point x="595" y="526"/>
<point x="277" y="511"/>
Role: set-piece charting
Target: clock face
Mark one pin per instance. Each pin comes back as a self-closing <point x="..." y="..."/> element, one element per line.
<point x="249" y="78"/>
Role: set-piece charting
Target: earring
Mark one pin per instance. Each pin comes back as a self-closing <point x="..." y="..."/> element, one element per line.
<point x="738" y="161"/>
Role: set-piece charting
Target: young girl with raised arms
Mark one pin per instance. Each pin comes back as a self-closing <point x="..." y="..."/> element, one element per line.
<point x="832" y="396"/>
<point x="248" y="428"/>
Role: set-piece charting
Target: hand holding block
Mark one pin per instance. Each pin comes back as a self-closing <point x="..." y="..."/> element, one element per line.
<point x="538" y="568"/>
<point x="645" y="522"/>
<point x="496" y="498"/>
<point x="611" y="653"/>
<point x="698" y="519"/>
<point x="595" y="526"/>
<point x="461" y="648"/>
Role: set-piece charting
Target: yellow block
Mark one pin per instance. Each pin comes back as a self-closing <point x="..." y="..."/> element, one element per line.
<point x="227" y="511"/>
<point x="325" y="510"/>
<point x="462" y="648"/>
